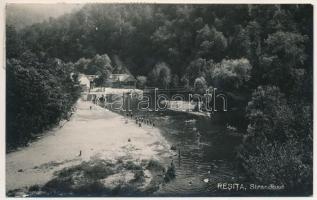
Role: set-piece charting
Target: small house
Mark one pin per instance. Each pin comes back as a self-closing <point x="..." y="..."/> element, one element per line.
<point x="122" y="81"/>
<point x="84" y="82"/>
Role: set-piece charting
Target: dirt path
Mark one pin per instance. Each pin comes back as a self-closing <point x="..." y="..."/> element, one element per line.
<point x="97" y="133"/>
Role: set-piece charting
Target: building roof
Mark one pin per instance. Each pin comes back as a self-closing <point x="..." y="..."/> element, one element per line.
<point x="92" y="77"/>
<point x="121" y="77"/>
<point x="83" y="79"/>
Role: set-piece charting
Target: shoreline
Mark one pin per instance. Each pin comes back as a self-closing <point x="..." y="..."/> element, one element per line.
<point x="39" y="136"/>
<point x="92" y="134"/>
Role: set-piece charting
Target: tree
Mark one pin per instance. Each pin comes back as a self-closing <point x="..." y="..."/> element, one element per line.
<point x="271" y="118"/>
<point x="40" y="93"/>
<point x="82" y="65"/>
<point x="283" y="60"/>
<point x="200" y="85"/>
<point x="175" y="81"/>
<point x="211" y="43"/>
<point x="240" y="46"/>
<point x="185" y="82"/>
<point x="14" y="45"/>
<point x="196" y="68"/>
<point x="271" y="151"/>
<point x="231" y="74"/>
<point x="141" y="81"/>
<point x="160" y="75"/>
<point x="100" y="64"/>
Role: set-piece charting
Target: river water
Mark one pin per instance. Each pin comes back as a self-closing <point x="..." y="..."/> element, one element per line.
<point x="207" y="151"/>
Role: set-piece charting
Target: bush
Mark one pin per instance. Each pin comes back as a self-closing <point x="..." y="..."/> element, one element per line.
<point x="132" y="166"/>
<point x="34" y="188"/>
<point x="280" y="164"/>
<point x="155" y="165"/>
<point x="274" y="151"/>
<point x="138" y="175"/>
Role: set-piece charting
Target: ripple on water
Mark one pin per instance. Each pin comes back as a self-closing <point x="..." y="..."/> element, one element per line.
<point x="206" y="153"/>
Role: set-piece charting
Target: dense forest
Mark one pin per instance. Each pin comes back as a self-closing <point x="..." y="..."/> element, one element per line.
<point x="261" y="51"/>
<point x="22" y="15"/>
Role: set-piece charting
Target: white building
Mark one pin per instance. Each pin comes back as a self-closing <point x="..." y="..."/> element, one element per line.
<point x="84" y="82"/>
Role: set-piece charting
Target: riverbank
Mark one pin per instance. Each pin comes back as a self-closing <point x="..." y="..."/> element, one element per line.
<point x="92" y="136"/>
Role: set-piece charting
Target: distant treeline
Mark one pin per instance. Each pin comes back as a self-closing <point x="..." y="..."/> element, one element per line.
<point x="189" y="39"/>
<point x="22" y="15"/>
<point x="261" y="51"/>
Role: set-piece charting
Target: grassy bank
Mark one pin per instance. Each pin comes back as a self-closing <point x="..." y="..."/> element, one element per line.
<point x="100" y="177"/>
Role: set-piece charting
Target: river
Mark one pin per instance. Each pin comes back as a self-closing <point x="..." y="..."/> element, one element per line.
<point x="207" y="151"/>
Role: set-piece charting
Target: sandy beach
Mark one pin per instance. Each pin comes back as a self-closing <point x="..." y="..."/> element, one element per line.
<point x="90" y="134"/>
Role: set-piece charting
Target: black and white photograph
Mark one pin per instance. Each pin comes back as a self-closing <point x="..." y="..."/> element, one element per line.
<point x="158" y="99"/>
